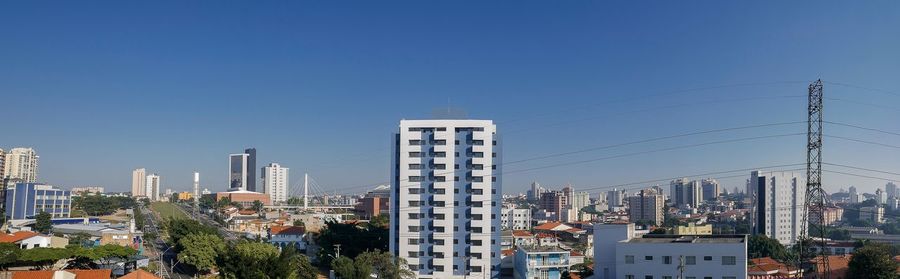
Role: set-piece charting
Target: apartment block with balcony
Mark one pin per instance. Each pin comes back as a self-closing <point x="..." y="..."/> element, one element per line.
<point x="537" y="262"/>
<point x="445" y="198"/>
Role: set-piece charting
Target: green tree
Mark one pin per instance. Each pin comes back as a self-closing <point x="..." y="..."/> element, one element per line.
<point x="257" y="206"/>
<point x="347" y="269"/>
<point x="248" y="260"/>
<point x="839" y="234"/>
<point x="200" y="250"/>
<point x="42" y="222"/>
<point x="381" y="221"/>
<point x="108" y="253"/>
<point x="180" y="228"/>
<point x="207" y="201"/>
<point x="9" y="254"/>
<point x="173" y="198"/>
<point x="354" y="239"/>
<point x="658" y="231"/>
<point x="761" y="246"/>
<point x="44" y="258"/>
<point x="872" y="261"/>
<point x="79" y="239"/>
<point x="382" y="264"/>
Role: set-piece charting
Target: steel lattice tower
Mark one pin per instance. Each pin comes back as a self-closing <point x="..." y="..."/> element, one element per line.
<point x="814" y="208"/>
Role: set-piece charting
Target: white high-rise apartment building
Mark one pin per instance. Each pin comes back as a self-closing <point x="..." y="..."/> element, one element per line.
<point x="445" y="198"/>
<point x="139" y="182"/>
<point x="2" y="164"/>
<point x="152" y="184"/>
<point x="21" y="163"/>
<point x="615" y="198"/>
<point x="276" y="182"/>
<point x="778" y="205"/>
<point x="685" y="192"/>
<point x="880" y="198"/>
<point x="854" y="196"/>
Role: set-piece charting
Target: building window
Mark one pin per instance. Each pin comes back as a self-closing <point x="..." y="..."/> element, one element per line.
<point x="648" y="276"/>
<point x="413" y="254"/>
<point x="413" y="241"/>
<point x="415" y="142"/>
<point x="415" y="154"/>
<point x="729" y="260"/>
<point x="690" y="260"/>
<point x="629" y="276"/>
<point x="415" y="179"/>
<point x="667" y="260"/>
<point x="629" y="259"/>
<point x="415" y="166"/>
<point x="648" y="258"/>
<point x="667" y="277"/>
<point x="707" y="258"/>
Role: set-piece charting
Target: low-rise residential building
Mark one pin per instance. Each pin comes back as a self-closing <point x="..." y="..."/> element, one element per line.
<point x="540" y="262"/>
<point x="768" y="268"/>
<point x="29" y="240"/>
<point x="102" y="234"/>
<point x="288" y="236"/>
<point x="371" y="206"/>
<point x="244" y="198"/>
<point x="59" y="274"/>
<point x="546" y="240"/>
<point x="523" y="238"/>
<point x="693" y="229"/>
<point x="515" y="219"/>
<point x="618" y="253"/>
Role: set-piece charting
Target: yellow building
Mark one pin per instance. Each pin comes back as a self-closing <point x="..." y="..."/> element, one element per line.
<point x="692" y="229"/>
<point x="184" y="196"/>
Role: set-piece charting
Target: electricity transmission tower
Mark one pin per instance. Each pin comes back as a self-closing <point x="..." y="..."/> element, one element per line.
<point x="814" y="208"/>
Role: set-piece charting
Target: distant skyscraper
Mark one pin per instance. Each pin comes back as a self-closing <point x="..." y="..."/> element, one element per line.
<point x="152" y="187"/>
<point x="196" y="187"/>
<point x="854" y="196"/>
<point x="21" y="163"/>
<point x="536" y="191"/>
<point x="778" y="206"/>
<point x="276" y="182"/>
<point x="710" y="189"/>
<point x="880" y="198"/>
<point x="251" y="170"/>
<point x="139" y="182"/>
<point x="237" y="171"/>
<point x="686" y="192"/>
<point x="891" y="190"/>
<point x="445" y="198"/>
<point x="615" y="198"/>
<point x="646" y="205"/>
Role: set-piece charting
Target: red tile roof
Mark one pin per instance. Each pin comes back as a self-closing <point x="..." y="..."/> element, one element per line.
<point x="521" y="233"/>
<point x="16" y="236"/>
<point x="548" y="226"/>
<point x="139" y="274"/>
<point x="288" y="230"/>
<point x="508" y="252"/>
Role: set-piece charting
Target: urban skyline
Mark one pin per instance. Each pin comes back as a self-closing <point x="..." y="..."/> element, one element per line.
<point x="613" y="94"/>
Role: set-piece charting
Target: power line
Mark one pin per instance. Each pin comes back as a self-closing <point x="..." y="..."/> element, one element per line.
<point x="859" y="168"/>
<point x="602" y="158"/>
<point x="863" y="141"/>
<point x="651" y="140"/>
<point x="888" y="92"/>
<point x="863" y="128"/>
<point x="654" y="151"/>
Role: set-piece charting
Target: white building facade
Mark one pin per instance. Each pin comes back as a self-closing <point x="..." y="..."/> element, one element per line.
<point x="445" y="198"/>
<point x="778" y="205"/>
<point x="152" y="187"/>
<point x="619" y="254"/>
<point x="275" y="182"/>
<point x="515" y="219"/>
<point x="139" y="182"/>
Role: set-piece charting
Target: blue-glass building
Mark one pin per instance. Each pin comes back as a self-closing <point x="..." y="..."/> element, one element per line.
<point x="25" y="200"/>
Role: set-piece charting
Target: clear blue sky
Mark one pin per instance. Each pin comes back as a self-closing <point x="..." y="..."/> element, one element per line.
<point x="102" y="87"/>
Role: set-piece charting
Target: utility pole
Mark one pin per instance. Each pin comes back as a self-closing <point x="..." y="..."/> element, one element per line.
<point x="337" y="251"/>
<point x="814" y="207"/>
